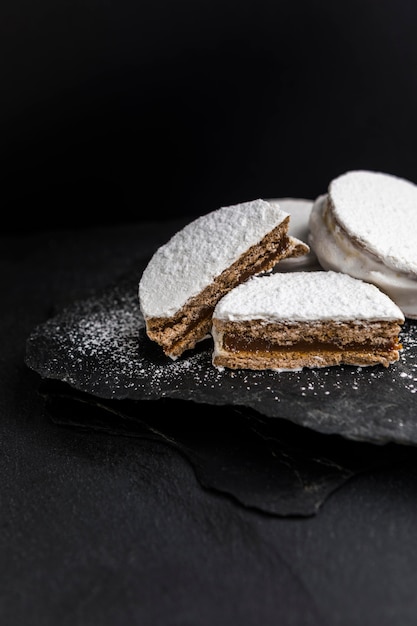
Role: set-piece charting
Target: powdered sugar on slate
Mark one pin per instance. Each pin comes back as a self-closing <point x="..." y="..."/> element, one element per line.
<point x="99" y="346"/>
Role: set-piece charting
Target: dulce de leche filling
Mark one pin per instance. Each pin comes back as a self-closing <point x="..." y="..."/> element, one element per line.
<point x="234" y="343"/>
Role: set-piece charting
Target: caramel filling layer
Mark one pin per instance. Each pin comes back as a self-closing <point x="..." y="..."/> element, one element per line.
<point x="232" y="343"/>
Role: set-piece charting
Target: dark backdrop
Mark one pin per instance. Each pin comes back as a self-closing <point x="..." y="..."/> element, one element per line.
<point x="116" y="111"/>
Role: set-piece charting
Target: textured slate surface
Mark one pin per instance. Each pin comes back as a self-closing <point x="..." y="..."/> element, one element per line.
<point x="269" y="465"/>
<point x="99" y="346"/>
<point x="103" y="529"/>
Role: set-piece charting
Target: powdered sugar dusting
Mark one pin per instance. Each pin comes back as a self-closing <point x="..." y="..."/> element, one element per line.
<point x="307" y="296"/>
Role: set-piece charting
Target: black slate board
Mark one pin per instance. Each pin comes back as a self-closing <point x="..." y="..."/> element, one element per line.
<point x="268" y="465"/>
<point x="99" y="346"/>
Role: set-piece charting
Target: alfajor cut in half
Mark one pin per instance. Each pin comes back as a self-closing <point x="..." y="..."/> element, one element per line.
<point x="313" y="319"/>
<point x="211" y="255"/>
<point x="366" y="225"/>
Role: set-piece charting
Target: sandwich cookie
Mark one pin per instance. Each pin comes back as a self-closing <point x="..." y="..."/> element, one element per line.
<point x="291" y="320"/>
<point x="366" y="226"/>
<point x="187" y="276"/>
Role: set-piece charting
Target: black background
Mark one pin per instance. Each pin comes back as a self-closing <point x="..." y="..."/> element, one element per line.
<point x="127" y="111"/>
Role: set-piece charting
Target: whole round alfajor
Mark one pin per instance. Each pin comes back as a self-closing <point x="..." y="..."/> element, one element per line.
<point x="366" y="226"/>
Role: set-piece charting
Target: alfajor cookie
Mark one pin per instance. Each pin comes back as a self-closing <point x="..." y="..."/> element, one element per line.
<point x="313" y="319"/>
<point x="366" y="226"/>
<point x="299" y="210"/>
<point x="211" y="255"/>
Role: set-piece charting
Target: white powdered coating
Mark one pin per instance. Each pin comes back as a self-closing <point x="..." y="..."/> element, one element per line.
<point x="200" y="252"/>
<point x="299" y="210"/>
<point x="307" y="296"/>
<point x="337" y="251"/>
<point x="380" y="211"/>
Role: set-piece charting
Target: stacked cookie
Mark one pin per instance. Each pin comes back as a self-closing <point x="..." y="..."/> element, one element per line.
<point x="291" y="283"/>
<point x="366" y="226"/>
